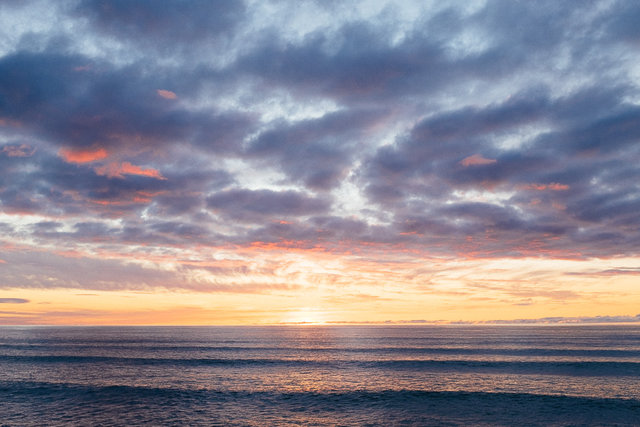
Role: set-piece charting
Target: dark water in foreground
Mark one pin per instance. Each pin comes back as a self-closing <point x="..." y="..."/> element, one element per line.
<point x="446" y="375"/>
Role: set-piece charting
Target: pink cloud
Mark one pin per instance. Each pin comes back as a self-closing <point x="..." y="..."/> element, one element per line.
<point x="118" y="170"/>
<point x="82" y="156"/>
<point x="476" y="159"/>
<point x="554" y="186"/>
<point x="166" y="94"/>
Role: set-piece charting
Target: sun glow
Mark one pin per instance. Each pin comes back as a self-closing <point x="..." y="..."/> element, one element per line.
<point x="305" y="316"/>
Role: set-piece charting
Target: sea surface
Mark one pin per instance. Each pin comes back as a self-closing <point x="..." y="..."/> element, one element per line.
<point x="320" y="375"/>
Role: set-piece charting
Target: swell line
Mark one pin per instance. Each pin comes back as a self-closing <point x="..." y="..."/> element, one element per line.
<point x="346" y="350"/>
<point x="32" y="403"/>
<point x="589" y="368"/>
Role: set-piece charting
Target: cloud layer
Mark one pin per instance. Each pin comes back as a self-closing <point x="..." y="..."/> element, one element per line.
<point x="480" y="130"/>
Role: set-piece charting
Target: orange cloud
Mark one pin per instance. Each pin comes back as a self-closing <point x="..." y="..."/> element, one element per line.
<point x="557" y="187"/>
<point x="166" y="94"/>
<point x="554" y="186"/>
<point x="118" y="170"/>
<point x="82" y="156"/>
<point x="476" y="159"/>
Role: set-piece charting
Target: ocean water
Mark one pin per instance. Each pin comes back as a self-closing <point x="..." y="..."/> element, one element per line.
<point x="320" y="375"/>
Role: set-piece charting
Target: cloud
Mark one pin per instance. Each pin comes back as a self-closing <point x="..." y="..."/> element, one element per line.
<point x="558" y="320"/>
<point x="256" y="205"/>
<point x="316" y="152"/>
<point x="622" y="271"/>
<point x="118" y="170"/>
<point x="425" y="164"/>
<point x="13" y="301"/>
<point x="109" y="110"/>
<point x="83" y="155"/>
<point x="500" y="129"/>
<point x="75" y="271"/>
<point x="151" y="26"/>
<point x="166" y="94"/>
<point x="22" y="150"/>
<point x="570" y="320"/>
<point x="554" y="186"/>
<point x="476" y="159"/>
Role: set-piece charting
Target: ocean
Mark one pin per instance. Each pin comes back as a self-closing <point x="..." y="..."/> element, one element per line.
<point x="321" y="375"/>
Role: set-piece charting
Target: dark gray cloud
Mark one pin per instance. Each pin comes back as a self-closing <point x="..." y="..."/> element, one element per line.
<point x="620" y="24"/>
<point x="362" y="66"/>
<point x="364" y="61"/>
<point x="261" y="205"/>
<point x="163" y="27"/>
<point x="71" y="104"/>
<point x="46" y="184"/>
<point x="315" y="152"/>
<point x="320" y="232"/>
<point x="567" y="182"/>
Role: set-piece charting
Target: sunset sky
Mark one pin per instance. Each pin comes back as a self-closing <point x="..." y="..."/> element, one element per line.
<point x="229" y="162"/>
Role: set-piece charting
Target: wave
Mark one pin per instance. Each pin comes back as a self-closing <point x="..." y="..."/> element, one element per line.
<point x="548" y="352"/>
<point x="587" y="368"/>
<point x="58" y="404"/>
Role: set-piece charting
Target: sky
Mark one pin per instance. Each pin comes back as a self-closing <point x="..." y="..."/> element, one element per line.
<point x="287" y="162"/>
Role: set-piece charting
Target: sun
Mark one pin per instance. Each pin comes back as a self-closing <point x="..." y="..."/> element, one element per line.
<point x="305" y="316"/>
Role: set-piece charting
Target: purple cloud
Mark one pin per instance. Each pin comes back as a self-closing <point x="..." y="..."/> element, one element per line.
<point x="13" y="301"/>
<point x="258" y="205"/>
